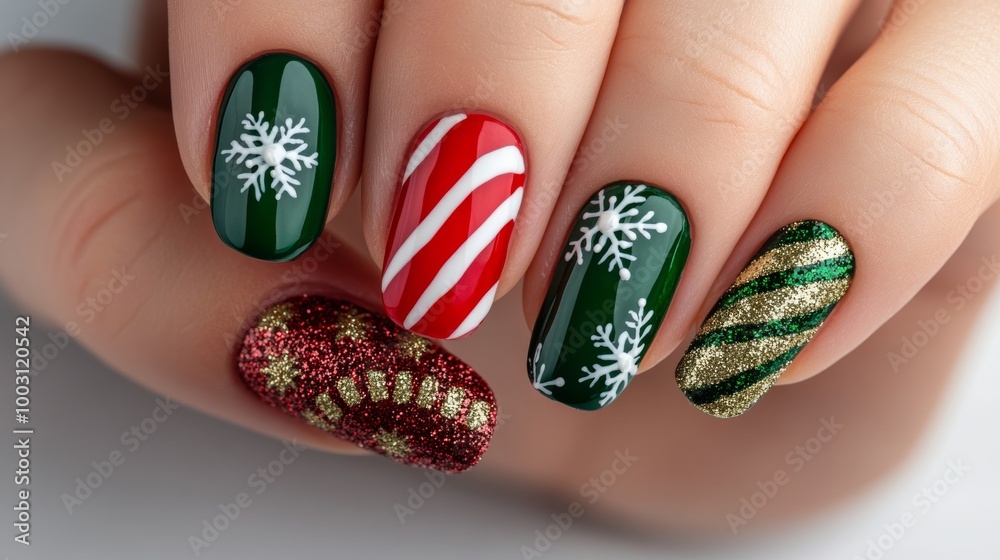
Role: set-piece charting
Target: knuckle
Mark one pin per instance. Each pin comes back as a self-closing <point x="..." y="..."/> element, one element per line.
<point x="945" y="137"/>
<point x="562" y="23"/>
<point x="749" y="83"/>
<point x="725" y="81"/>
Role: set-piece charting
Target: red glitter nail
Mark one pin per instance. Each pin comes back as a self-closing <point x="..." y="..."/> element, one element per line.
<point x="356" y="375"/>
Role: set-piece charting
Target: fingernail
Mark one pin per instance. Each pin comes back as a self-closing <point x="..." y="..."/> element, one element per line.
<point x="608" y="295"/>
<point x="276" y="144"/>
<point x="461" y="190"/>
<point x="766" y="317"/>
<point x="356" y="375"/>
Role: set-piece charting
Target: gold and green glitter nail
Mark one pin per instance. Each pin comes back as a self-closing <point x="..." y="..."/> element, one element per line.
<point x="765" y="318"/>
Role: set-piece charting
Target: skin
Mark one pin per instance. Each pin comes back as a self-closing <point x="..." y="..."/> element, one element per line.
<point x="919" y="107"/>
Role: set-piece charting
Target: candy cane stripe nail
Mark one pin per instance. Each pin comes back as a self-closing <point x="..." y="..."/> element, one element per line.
<point x="462" y="188"/>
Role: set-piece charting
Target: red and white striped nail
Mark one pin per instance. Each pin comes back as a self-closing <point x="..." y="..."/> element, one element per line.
<point x="454" y="214"/>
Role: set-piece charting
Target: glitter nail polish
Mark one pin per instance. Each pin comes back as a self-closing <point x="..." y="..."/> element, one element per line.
<point x="358" y="376"/>
<point x="765" y="318"/>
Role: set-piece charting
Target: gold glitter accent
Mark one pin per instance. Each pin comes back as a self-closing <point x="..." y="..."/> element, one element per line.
<point x="393" y="444"/>
<point x="791" y="256"/>
<point x="281" y="372"/>
<point x="328" y="407"/>
<point x="452" y="402"/>
<point x="738" y="403"/>
<point x="711" y="364"/>
<point x="782" y="303"/>
<point x="376" y="386"/>
<point x="348" y="391"/>
<point x="479" y="413"/>
<point x="351" y="324"/>
<point x="413" y="346"/>
<point x="276" y="318"/>
<point x="428" y="392"/>
<point x="316" y="420"/>
<point x="403" y="389"/>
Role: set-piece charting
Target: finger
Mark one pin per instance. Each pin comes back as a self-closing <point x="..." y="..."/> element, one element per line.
<point x="901" y="158"/>
<point x="520" y="79"/>
<point x="269" y="105"/>
<point x="703" y="102"/>
<point x="116" y="255"/>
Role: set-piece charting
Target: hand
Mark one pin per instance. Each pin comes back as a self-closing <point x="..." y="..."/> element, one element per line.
<point x="698" y="104"/>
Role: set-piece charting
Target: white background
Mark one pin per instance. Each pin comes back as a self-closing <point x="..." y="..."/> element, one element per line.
<point x="331" y="507"/>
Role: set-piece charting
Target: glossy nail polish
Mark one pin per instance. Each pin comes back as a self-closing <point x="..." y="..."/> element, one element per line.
<point x="766" y="317"/>
<point x="608" y="295"/>
<point x="461" y="190"/>
<point x="276" y="144"/>
<point x="358" y="376"/>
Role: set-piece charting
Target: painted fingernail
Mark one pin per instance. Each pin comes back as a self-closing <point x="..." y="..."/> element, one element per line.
<point x="276" y="144"/>
<point x="608" y="295"/>
<point x="358" y="376"/>
<point x="454" y="213"/>
<point x="765" y="318"/>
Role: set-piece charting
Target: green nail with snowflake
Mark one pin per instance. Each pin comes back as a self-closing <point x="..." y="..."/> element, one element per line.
<point x="609" y="294"/>
<point x="276" y="144"/>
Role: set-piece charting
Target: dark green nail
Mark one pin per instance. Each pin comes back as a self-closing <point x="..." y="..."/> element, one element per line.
<point x="765" y="318"/>
<point x="608" y="295"/>
<point x="275" y="149"/>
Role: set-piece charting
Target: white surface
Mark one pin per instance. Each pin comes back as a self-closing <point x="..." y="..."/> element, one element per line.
<point x="332" y="507"/>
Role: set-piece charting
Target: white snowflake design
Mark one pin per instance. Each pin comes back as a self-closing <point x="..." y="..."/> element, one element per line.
<point x="611" y="218"/>
<point x="264" y="150"/>
<point x="623" y="355"/>
<point x="537" y="373"/>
